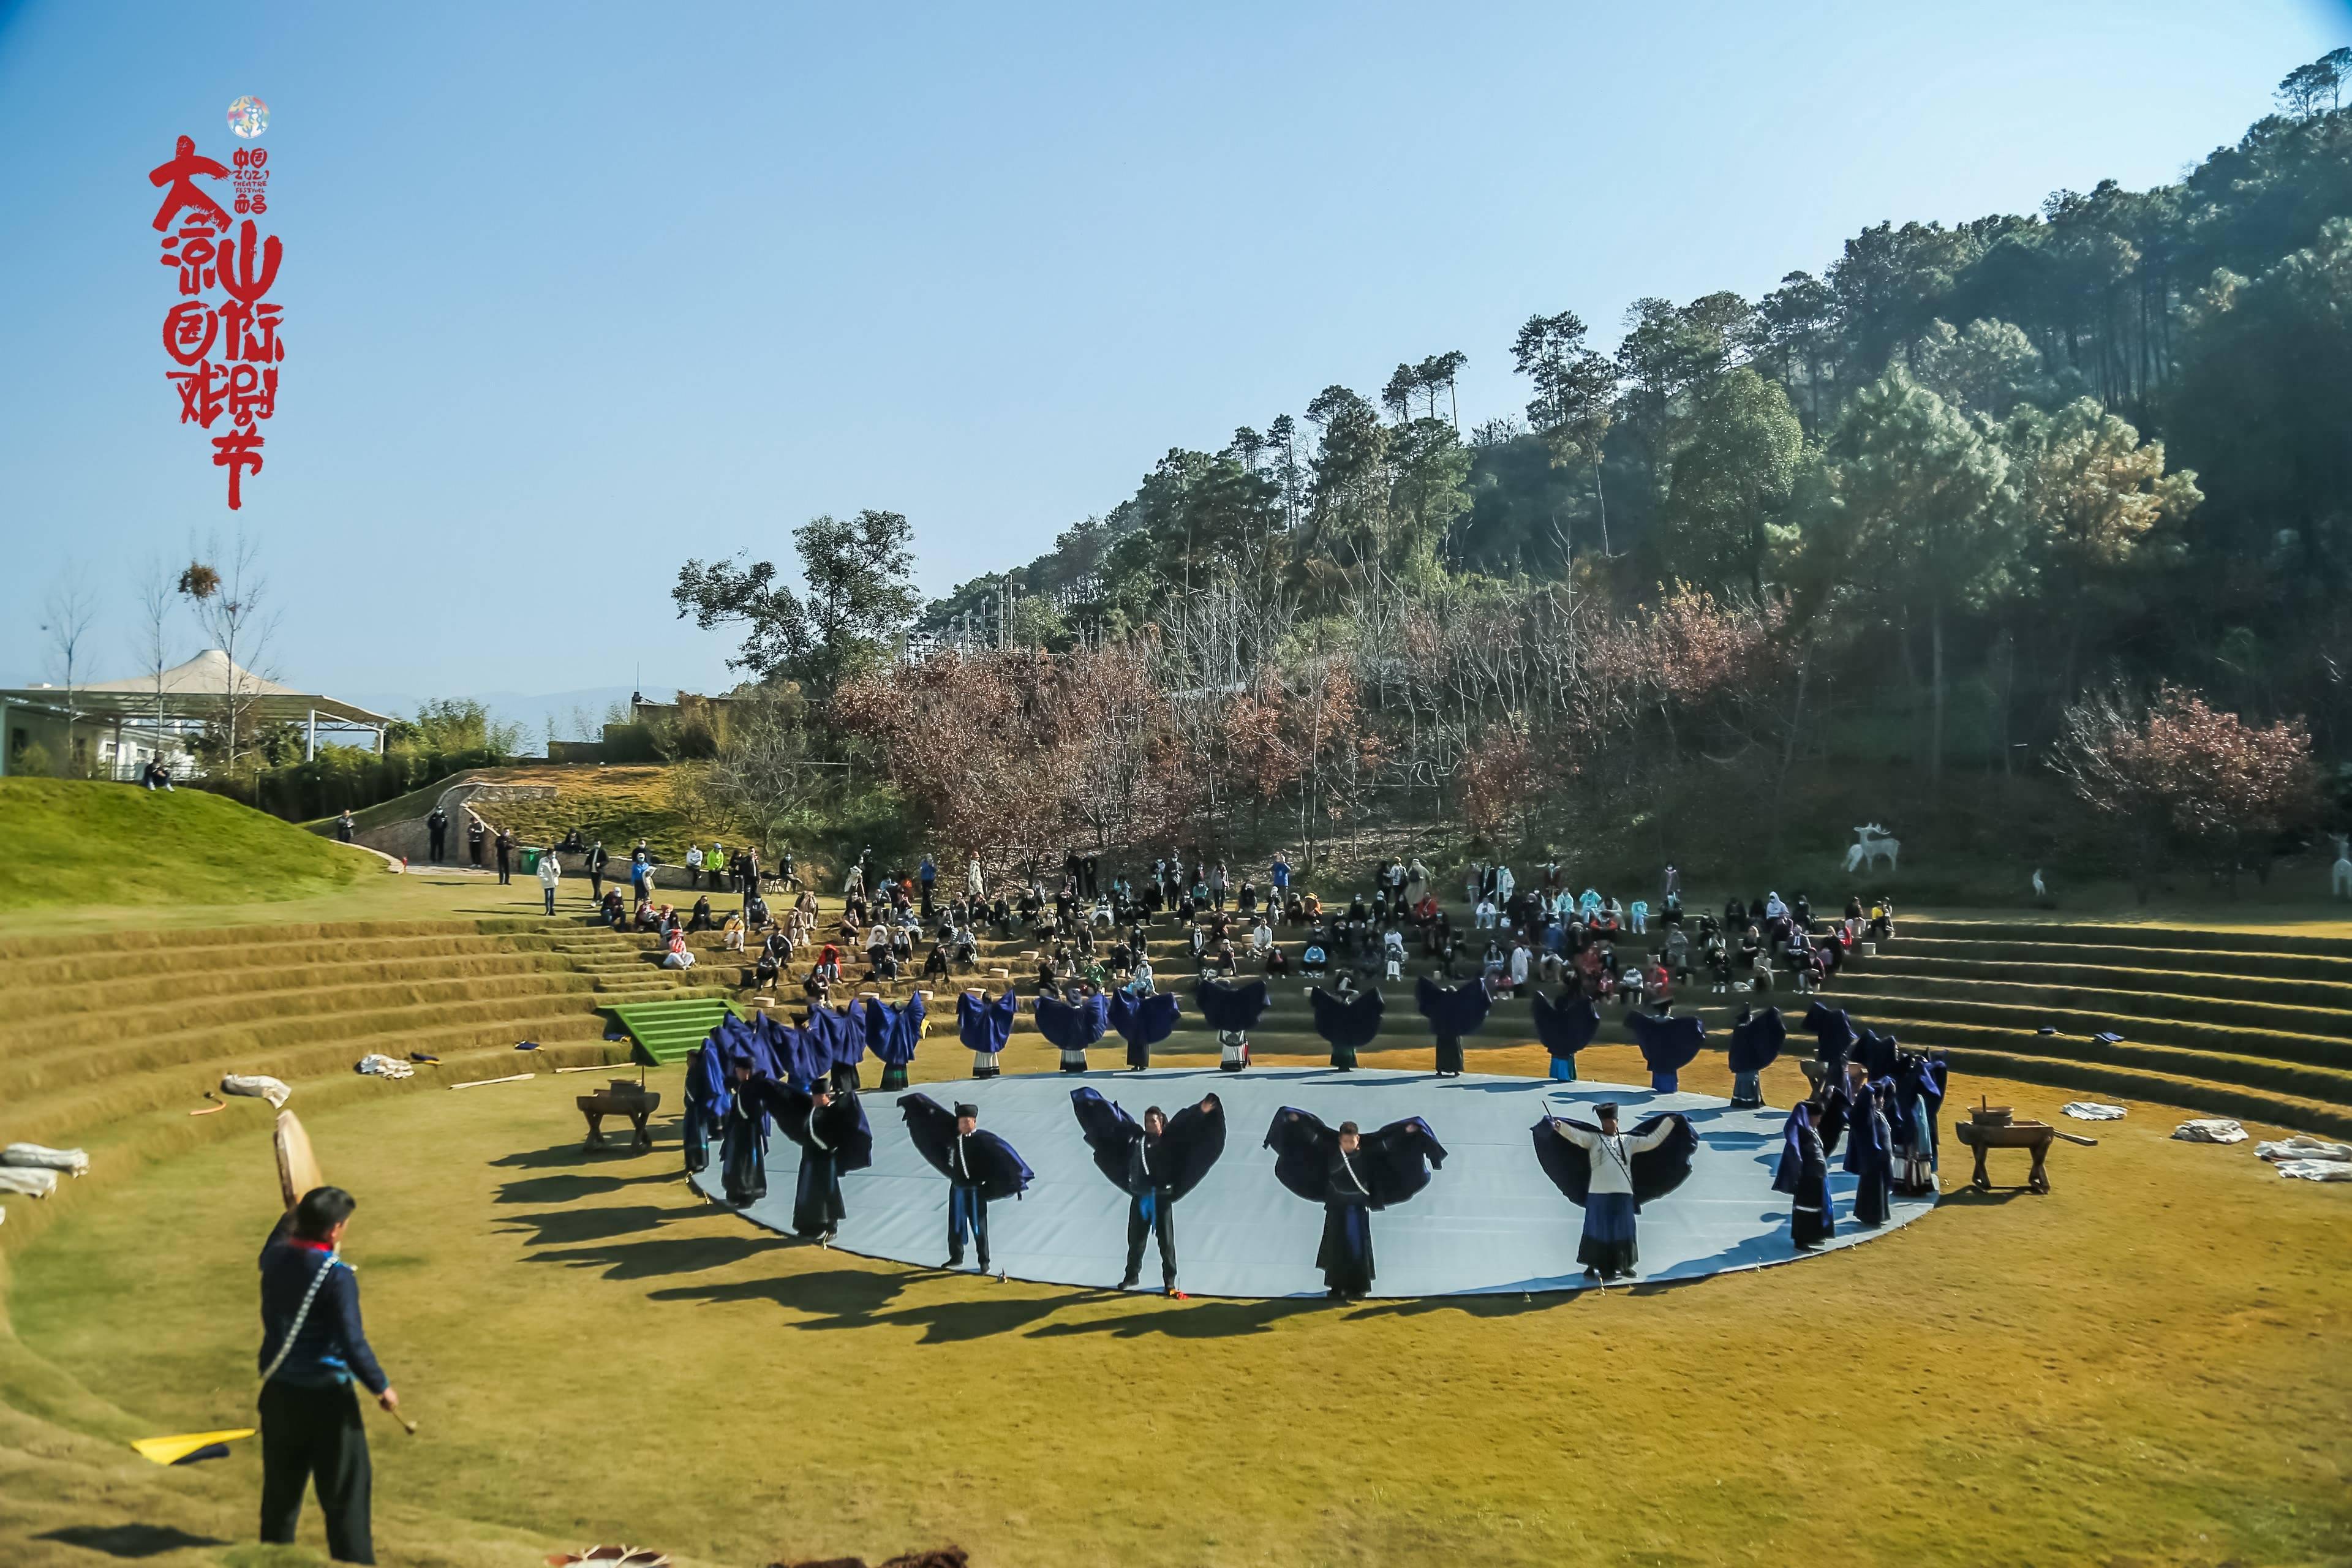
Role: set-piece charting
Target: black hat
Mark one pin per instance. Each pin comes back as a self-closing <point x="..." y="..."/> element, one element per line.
<point x="963" y="1111"/>
<point x="1607" y="1109"/>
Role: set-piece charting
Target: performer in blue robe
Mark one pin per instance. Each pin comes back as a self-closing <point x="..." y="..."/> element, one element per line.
<point x="1565" y="1027"/>
<point x="1756" y="1041"/>
<point x="1833" y="1033"/>
<point x="892" y="1033"/>
<point x="1453" y="1011"/>
<point x="1143" y="1022"/>
<point x="1877" y="1053"/>
<point x="1349" y="1023"/>
<point x="1073" y="1025"/>
<point x="1668" y="1045"/>
<point x="1154" y="1164"/>
<point x="979" y="1166"/>
<point x="1869" y="1148"/>
<point x="1233" y="1011"/>
<point x="805" y="1055"/>
<point x="1351" y="1175"/>
<point x="1610" y="1175"/>
<point x="830" y="1131"/>
<point x="985" y="1026"/>
<point x="743" y="1146"/>
<point x="1919" y="1098"/>
<point x="706" y="1101"/>
<point x="1804" y="1175"/>
<point x="844" y="1041"/>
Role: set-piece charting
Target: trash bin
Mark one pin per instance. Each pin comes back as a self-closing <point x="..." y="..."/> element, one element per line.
<point x="530" y="862"/>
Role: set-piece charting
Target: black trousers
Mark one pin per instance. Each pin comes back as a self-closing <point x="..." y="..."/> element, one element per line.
<point x="440" y="839"/>
<point x="967" y="1212"/>
<point x="1162" y="1224"/>
<point x="314" y="1434"/>
<point x="503" y="867"/>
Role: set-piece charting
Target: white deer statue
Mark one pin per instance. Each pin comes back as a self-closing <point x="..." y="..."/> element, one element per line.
<point x="1869" y="844"/>
<point x="2340" y="884"/>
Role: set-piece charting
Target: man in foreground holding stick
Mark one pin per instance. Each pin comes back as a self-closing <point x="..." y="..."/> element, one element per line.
<point x="312" y="1346"/>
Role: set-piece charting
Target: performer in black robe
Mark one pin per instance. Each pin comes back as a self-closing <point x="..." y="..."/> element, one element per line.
<point x="1233" y="1011"/>
<point x="1154" y="1164"/>
<point x="1143" y="1022"/>
<point x="1565" y="1027"/>
<point x="1610" y="1175"/>
<point x="979" y="1166"/>
<point x="1668" y="1045"/>
<point x="1756" y="1042"/>
<point x="743" y="1146"/>
<point x="1351" y="1175"/>
<point x="1453" y="1011"/>
<point x="1804" y="1175"/>
<point x="1073" y="1025"/>
<point x="1349" y="1023"/>
<point x="833" y="1137"/>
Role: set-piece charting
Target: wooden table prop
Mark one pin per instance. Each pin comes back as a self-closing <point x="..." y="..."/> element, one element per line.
<point x="1982" y="1136"/>
<point x="297" y="1167"/>
<point x="622" y="1097"/>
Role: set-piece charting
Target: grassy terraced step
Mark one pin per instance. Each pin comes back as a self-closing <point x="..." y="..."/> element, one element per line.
<point x="56" y="1116"/>
<point x="2240" y="987"/>
<point x="72" y="968"/>
<point x="2308" y="1033"/>
<point x="2320" y="1084"/>
<point x="136" y="990"/>
<point x="347" y="1038"/>
<point x="669" y="1031"/>
<point x="134" y="938"/>
<point x="2180" y="961"/>
<point x="323" y="1003"/>
<point x="2162" y="936"/>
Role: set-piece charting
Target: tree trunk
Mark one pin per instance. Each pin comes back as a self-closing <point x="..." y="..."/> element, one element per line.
<point x="1936" y="695"/>
<point x="1601" y="497"/>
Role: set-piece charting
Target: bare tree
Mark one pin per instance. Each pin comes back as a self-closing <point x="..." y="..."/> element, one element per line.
<point x="229" y="595"/>
<point x="67" y="614"/>
<point x="765" y="773"/>
<point x="155" y="596"/>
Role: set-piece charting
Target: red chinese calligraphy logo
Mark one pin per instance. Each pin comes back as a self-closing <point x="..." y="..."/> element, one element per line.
<point x="227" y="353"/>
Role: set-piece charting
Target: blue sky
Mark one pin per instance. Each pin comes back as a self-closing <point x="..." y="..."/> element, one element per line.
<point x="573" y="292"/>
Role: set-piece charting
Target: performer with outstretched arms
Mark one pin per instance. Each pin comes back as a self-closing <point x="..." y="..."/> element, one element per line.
<point x="831" y="1130"/>
<point x="1142" y="1022"/>
<point x="1668" y="1045"/>
<point x="892" y="1034"/>
<point x="1348" y="1022"/>
<point x="1073" y="1025"/>
<point x="1154" y="1164"/>
<point x="1611" y="1174"/>
<point x="1756" y="1041"/>
<point x="985" y="1026"/>
<point x="1453" y="1011"/>
<point x="979" y="1166"/>
<point x="1565" y="1027"/>
<point x="1351" y="1175"/>
<point x="1233" y="1011"/>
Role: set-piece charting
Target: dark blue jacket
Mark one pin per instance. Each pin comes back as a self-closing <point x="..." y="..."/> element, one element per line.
<point x="333" y="1348"/>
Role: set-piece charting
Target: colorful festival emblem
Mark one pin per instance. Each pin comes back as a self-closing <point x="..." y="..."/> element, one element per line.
<point x="223" y="332"/>
<point x="248" y="117"/>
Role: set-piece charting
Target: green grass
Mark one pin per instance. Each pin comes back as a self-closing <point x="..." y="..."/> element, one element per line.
<point x="73" y="844"/>
<point x="2146" y="1366"/>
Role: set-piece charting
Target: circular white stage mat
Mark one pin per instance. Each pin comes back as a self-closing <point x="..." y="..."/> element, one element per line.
<point x="1489" y="1221"/>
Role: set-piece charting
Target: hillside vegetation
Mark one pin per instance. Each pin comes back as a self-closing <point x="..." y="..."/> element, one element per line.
<point x="75" y="842"/>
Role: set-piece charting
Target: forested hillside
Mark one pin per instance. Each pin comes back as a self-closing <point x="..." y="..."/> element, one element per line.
<point x="2019" y="493"/>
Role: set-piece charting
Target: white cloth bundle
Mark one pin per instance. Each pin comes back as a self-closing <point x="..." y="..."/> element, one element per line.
<point x="27" y="1181"/>
<point x="2316" y="1170"/>
<point x="72" y="1161"/>
<point x="2300" y="1148"/>
<point x="2091" y="1110"/>
<point x="2212" y="1129"/>
<point x="254" y="1087"/>
<point x="383" y="1066"/>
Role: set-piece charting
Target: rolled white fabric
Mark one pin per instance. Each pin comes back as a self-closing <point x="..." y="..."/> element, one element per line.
<point x="28" y="1182"/>
<point x="72" y="1161"/>
<point x="2316" y="1170"/>
<point x="256" y="1087"/>
<point x="2302" y="1148"/>
<point x="381" y="1066"/>
<point x="2092" y="1111"/>
<point x="2209" y="1130"/>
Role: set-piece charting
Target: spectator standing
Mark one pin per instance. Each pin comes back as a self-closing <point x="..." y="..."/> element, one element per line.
<point x="437" y="826"/>
<point x="505" y="860"/>
<point x="550" y="872"/>
<point x="344" y="825"/>
<point x="596" y="861"/>
<point x="476" y="837"/>
<point x="926" y="877"/>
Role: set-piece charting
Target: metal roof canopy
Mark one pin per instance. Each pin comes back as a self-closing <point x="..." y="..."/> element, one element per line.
<point x="207" y="678"/>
